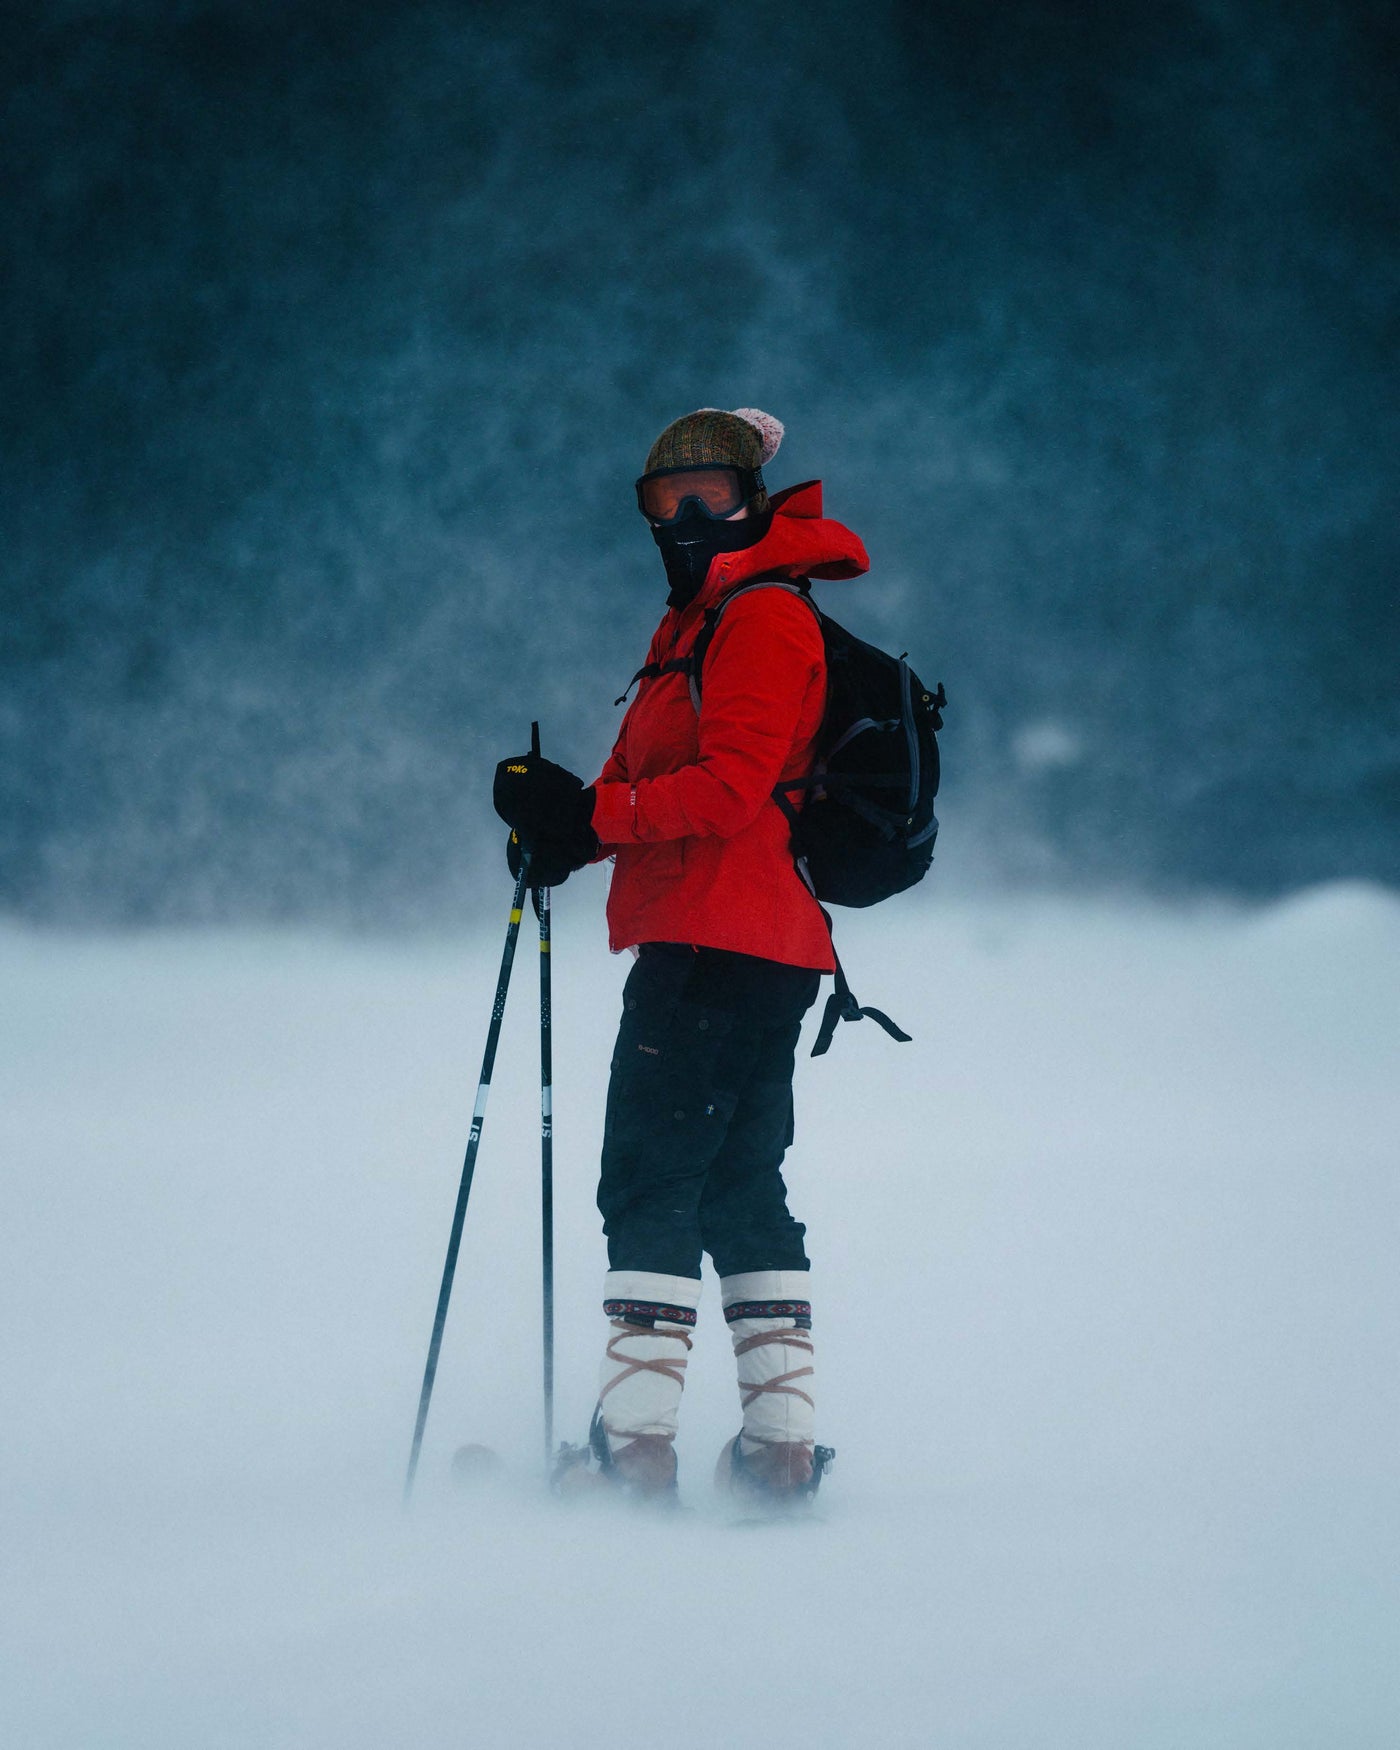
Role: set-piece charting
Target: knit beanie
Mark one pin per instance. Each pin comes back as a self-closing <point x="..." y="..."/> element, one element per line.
<point x="746" y="438"/>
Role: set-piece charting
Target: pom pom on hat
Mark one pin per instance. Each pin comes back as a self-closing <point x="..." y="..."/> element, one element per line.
<point x="769" y="429"/>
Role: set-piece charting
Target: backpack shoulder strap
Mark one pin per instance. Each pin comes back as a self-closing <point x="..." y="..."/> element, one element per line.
<point x="691" y="665"/>
<point x="800" y="587"/>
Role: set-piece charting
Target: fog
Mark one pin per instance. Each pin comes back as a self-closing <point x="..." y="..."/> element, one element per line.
<point x="333" y="336"/>
<point x="336" y="334"/>
<point x="1105" y="1301"/>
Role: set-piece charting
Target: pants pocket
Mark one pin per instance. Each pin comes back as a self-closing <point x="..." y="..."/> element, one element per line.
<point x="666" y="1102"/>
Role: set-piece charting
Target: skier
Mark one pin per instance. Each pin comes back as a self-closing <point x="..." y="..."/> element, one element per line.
<point x="729" y="944"/>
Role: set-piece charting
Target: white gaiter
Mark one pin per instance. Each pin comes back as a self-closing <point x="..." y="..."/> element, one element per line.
<point x="769" y="1316"/>
<point x="643" y="1372"/>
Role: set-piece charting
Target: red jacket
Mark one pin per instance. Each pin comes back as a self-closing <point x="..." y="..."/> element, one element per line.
<point x="684" y="802"/>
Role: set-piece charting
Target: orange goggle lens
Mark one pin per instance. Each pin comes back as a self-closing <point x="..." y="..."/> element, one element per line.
<point x="718" y="491"/>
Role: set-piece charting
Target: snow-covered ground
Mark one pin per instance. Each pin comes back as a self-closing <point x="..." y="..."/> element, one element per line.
<point x="1106" y="1296"/>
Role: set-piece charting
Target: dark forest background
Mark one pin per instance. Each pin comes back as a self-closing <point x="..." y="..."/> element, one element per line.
<point x="335" y="334"/>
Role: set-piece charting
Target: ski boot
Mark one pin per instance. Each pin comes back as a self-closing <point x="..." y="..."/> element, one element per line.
<point x="631" y="1443"/>
<point x="773" y="1479"/>
<point x="641" y="1470"/>
<point x="773" y="1462"/>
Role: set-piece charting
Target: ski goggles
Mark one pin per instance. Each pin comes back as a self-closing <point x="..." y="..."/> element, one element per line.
<point x="664" y="496"/>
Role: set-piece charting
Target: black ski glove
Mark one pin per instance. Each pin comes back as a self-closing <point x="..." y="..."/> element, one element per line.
<point x="550" y="865"/>
<point x="543" y="803"/>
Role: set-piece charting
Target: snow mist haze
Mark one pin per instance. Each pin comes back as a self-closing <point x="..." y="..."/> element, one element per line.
<point x="1117" y="1231"/>
<point x="338" y="333"/>
<point x="334" y="336"/>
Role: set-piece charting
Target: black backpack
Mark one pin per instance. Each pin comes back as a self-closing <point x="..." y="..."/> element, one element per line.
<point x="867" y="829"/>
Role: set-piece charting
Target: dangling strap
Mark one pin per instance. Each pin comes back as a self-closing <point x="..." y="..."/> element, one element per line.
<point x="841" y="1005"/>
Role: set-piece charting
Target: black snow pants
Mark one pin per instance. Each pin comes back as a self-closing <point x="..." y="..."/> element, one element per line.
<point x="699" y="1113"/>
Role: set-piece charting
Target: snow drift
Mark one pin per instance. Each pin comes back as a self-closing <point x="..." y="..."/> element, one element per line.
<point x="1105" y="1297"/>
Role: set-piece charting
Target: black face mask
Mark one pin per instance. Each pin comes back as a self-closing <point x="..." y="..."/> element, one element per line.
<point x="691" y="542"/>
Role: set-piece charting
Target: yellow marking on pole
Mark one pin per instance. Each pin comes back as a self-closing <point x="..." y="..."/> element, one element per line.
<point x="516" y="915"/>
<point x="544" y="947"/>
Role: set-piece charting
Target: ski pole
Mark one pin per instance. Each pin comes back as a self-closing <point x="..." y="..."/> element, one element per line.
<point x="541" y="895"/>
<point x="498" y="1008"/>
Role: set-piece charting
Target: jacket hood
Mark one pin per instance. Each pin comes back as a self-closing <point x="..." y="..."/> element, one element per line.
<point x="800" y="542"/>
